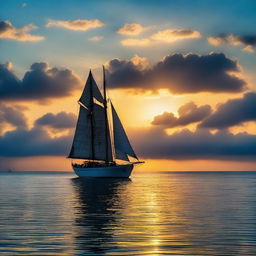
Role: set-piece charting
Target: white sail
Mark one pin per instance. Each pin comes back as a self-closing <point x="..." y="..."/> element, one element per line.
<point x="90" y="135"/>
<point x="122" y="145"/>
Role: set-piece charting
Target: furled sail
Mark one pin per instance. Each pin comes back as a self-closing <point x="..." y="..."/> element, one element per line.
<point x="122" y="145"/>
<point x="90" y="140"/>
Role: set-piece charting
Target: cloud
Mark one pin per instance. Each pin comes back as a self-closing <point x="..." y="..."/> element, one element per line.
<point x="39" y="83"/>
<point x="154" y="143"/>
<point x="131" y="29"/>
<point x="33" y="142"/>
<point x="233" y="112"/>
<point x="12" y="115"/>
<point x="188" y="114"/>
<point x="247" y="41"/>
<point x="150" y="142"/>
<point x="179" y="74"/>
<point x="77" y="25"/>
<point x="172" y="35"/>
<point x="8" y="65"/>
<point x="8" y="31"/>
<point x="124" y="74"/>
<point x="60" y="120"/>
<point x="163" y="36"/>
<point x="140" y="62"/>
<point x="96" y="38"/>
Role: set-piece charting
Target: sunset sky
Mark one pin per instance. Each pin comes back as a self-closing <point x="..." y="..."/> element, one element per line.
<point x="180" y="73"/>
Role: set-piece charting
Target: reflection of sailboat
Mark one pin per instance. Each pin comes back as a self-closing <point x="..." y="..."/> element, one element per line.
<point x="97" y="213"/>
<point x="106" y="151"/>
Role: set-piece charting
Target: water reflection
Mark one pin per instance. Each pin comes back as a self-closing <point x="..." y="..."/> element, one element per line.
<point x="97" y="212"/>
<point x="170" y="214"/>
<point x="156" y="214"/>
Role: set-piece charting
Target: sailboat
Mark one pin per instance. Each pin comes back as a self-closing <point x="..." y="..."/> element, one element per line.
<point x="100" y="146"/>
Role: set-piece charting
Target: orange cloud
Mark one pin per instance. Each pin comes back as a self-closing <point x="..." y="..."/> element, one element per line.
<point x="78" y="25"/>
<point x="131" y="29"/>
<point x="8" y="31"/>
<point x="172" y="35"/>
<point x="188" y="113"/>
<point x="163" y="36"/>
<point x="247" y="41"/>
<point x="216" y="41"/>
<point x="140" y="62"/>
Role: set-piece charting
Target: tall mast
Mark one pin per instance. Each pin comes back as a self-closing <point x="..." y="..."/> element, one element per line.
<point x="106" y="114"/>
<point x="91" y="116"/>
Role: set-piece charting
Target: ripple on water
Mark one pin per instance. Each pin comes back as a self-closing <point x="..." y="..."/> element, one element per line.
<point x="151" y="214"/>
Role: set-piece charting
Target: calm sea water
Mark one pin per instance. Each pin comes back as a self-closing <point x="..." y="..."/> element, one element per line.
<point x="150" y="214"/>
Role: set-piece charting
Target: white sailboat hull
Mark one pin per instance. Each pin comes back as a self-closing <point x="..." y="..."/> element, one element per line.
<point x="118" y="171"/>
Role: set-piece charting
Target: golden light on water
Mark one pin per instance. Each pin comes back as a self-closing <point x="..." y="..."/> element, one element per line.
<point x="151" y="214"/>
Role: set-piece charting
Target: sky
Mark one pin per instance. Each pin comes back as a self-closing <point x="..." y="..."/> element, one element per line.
<point x="180" y="73"/>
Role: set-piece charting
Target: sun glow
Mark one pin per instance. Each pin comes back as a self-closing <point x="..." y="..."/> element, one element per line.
<point x="137" y="110"/>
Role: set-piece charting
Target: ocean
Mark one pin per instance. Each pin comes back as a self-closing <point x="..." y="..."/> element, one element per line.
<point x="159" y="213"/>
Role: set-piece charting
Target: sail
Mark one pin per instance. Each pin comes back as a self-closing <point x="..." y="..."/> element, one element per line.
<point x="90" y="88"/>
<point x="82" y="142"/>
<point x="91" y="141"/>
<point x="121" y="141"/>
<point x="100" y="137"/>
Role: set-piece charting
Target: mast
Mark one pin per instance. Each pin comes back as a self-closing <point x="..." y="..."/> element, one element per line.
<point x="91" y="116"/>
<point x="106" y="113"/>
<point x="92" y="139"/>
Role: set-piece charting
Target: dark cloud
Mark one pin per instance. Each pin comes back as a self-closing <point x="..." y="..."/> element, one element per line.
<point x="40" y="83"/>
<point x="233" y="112"/>
<point x="60" y="120"/>
<point x="4" y="26"/>
<point x="155" y="143"/>
<point x="188" y="113"/>
<point x="150" y="142"/>
<point x="34" y="142"/>
<point x="179" y="74"/>
<point x="12" y="115"/>
<point x="247" y="41"/>
<point x="125" y="74"/>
